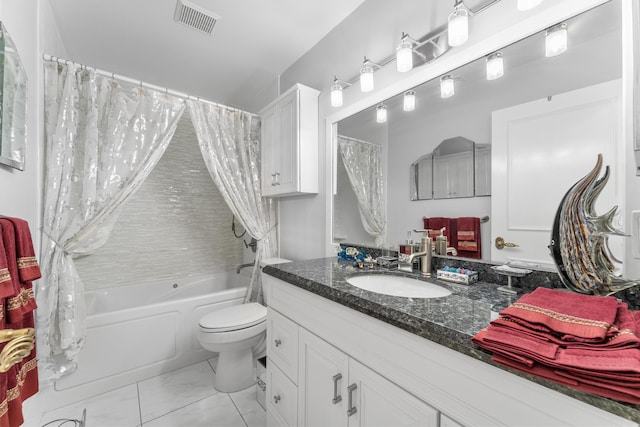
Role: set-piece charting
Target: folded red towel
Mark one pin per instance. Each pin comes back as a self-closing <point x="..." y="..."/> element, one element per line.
<point x="612" y="391"/>
<point x="573" y="317"/>
<point x="626" y="334"/>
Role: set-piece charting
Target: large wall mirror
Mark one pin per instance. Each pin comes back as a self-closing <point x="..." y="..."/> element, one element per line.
<point x="13" y="102"/>
<point x="537" y="101"/>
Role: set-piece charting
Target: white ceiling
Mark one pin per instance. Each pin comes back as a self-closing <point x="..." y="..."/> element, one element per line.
<point x="252" y="43"/>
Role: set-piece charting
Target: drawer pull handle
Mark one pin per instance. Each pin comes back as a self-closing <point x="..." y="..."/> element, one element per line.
<point x="276" y="399"/>
<point x="277" y="343"/>
<point x="336" y="397"/>
<point x="352" y="409"/>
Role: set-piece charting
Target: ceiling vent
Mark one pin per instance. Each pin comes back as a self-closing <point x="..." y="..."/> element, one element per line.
<point x="195" y="17"/>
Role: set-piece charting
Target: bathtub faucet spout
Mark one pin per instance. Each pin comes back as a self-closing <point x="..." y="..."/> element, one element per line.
<point x="241" y="266"/>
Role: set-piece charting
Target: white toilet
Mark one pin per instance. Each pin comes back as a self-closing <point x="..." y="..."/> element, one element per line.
<point x="238" y="334"/>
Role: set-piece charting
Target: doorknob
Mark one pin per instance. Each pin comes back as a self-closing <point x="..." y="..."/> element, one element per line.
<point x="501" y="244"/>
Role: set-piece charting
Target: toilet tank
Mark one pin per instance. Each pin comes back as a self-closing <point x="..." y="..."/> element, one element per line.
<point x="265" y="262"/>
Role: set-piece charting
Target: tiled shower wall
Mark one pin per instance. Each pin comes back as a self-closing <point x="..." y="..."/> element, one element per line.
<point x="176" y="225"/>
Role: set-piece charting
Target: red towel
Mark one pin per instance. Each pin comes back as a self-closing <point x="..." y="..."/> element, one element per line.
<point x="625" y="394"/>
<point x="586" y="342"/>
<point x="6" y="283"/>
<point x="435" y="224"/>
<point x="626" y="334"/>
<point x="468" y="237"/>
<point x="571" y="316"/>
<point x="21" y="380"/>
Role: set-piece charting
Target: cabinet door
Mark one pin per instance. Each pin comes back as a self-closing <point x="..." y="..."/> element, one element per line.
<point x="282" y="399"/>
<point x="322" y="383"/>
<point x="269" y="148"/>
<point x="379" y="402"/>
<point x="286" y="171"/>
<point x="282" y="343"/>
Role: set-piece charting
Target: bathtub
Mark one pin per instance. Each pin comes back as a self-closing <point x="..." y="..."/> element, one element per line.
<point x="140" y="331"/>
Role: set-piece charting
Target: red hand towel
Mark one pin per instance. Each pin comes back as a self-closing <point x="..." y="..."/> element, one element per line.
<point x="573" y="317"/>
<point x="26" y="257"/>
<point x="436" y="223"/>
<point x="468" y="237"/>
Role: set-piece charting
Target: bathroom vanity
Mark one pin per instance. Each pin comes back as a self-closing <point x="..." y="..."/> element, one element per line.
<point x="341" y="355"/>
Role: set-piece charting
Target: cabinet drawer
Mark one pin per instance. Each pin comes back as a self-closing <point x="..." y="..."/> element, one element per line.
<point x="282" y="348"/>
<point x="282" y="398"/>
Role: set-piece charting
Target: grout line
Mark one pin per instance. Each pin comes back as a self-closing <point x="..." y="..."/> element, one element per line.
<point x="238" y="409"/>
<point x="139" y="404"/>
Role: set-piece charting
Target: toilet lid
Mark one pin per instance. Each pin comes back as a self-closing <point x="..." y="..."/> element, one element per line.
<point x="234" y="317"/>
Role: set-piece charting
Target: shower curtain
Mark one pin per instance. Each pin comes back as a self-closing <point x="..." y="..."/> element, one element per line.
<point x="363" y="162"/>
<point x="103" y="137"/>
<point x="229" y="141"/>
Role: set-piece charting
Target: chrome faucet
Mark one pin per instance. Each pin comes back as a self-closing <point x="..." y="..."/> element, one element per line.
<point x="241" y="266"/>
<point x="454" y="251"/>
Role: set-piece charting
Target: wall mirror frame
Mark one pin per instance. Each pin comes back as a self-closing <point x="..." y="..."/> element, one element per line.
<point x="430" y="74"/>
<point x="13" y="102"/>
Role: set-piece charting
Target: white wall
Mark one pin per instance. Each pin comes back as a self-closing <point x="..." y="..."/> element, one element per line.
<point x="372" y="30"/>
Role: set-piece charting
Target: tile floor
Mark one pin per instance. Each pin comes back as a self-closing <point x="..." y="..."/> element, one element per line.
<point x="185" y="397"/>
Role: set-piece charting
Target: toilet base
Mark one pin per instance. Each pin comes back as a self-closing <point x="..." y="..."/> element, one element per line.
<point x="234" y="371"/>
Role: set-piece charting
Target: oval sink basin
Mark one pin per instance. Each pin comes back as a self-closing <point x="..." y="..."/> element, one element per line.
<point x="398" y="286"/>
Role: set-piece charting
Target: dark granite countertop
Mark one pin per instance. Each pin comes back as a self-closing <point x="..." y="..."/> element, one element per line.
<point x="450" y="321"/>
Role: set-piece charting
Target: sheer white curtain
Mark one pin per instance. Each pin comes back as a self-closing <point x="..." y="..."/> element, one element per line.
<point x="363" y="162"/>
<point x="230" y="144"/>
<point x="103" y="137"/>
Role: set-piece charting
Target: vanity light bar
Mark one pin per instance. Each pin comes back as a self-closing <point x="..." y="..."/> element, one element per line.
<point x="457" y="30"/>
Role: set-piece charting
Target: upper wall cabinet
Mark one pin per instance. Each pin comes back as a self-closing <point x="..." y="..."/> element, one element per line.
<point x="290" y="143"/>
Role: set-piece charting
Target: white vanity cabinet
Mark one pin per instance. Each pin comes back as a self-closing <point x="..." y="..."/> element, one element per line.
<point x="392" y="376"/>
<point x="289" y="150"/>
<point x="336" y="390"/>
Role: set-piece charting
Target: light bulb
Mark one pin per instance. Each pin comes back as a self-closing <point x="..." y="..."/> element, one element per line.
<point x="447" y="87"/>
<point x="336" y="95"/>
<point x="409" y="103"/>
<point x="556" y="40"/>
<point x="495" y="66"/>
<point x="458" y="27"/>
<point x="404" y="56"/>
<point x="381" y="114"/>
<point x="528" y="4"/>
<point x="366" y="78"/>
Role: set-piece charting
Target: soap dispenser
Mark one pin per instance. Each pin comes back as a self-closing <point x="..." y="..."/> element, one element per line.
<point x="441" y="243"/>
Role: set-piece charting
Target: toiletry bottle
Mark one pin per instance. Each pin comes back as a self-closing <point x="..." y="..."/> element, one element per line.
<point x="441" y="243"/>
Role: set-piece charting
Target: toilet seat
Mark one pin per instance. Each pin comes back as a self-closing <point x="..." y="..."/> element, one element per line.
<point x="234" y="318"/>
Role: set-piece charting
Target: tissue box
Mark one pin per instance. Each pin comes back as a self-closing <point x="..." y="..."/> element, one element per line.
<point x="466" y="279"/>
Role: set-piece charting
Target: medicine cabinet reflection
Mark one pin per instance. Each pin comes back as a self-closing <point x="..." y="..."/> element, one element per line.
<point x="13" y="102"/>
<point x="456" y="168"/>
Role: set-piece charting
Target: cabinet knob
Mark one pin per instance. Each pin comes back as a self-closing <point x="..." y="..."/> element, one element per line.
<point x="276" y="399"/>
<point x="277" y="342"/>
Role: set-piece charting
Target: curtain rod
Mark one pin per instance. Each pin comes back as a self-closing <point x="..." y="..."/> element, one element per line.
<point x="141" y="83"/>
<point x="359" y="140"/>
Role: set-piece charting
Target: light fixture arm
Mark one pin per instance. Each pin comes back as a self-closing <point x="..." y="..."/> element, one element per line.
<point x="414" y="44"/>
<point x="337" y="81"/>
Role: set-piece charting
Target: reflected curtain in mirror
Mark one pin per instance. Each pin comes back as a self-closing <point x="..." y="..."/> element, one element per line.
<point x="363" y="162"/>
